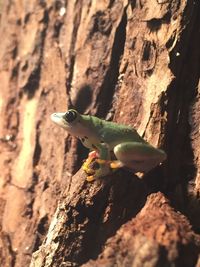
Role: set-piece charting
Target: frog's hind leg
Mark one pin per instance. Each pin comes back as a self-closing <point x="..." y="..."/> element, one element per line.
<point x="140" y="157"/>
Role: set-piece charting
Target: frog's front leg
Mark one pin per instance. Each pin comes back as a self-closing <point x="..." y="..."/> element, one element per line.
<point x="88" y="165"/>
<point x="101" y="157"/>
<point x="103" y="160"/>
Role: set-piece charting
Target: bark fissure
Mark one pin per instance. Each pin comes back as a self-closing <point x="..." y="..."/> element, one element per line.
<point x="111" y="77"/>
<point x="180" y="96"/>
<point x="76" y="24"/>
<point x="33" y="81"/>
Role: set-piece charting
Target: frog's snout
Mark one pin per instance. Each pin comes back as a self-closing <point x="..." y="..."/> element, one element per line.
<point x="53" y="116"/>
<point x="57" y="118"/>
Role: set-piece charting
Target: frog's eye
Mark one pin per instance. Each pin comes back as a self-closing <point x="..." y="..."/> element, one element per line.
<point x="70" y="116"/>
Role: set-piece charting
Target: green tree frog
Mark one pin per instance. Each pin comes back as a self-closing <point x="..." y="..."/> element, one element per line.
<point x="109" y="139"/>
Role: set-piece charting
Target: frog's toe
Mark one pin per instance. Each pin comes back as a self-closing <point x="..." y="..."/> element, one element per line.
<point x="96" y="168"/>
<point x="102" y="161"/>
<point x="90" y="178"/>
<point x="116" y="164"/>
<point x="87" y="169"/>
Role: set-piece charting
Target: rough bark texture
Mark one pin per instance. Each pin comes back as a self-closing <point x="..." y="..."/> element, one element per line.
<point x="134" y="62"/>
<point x="156" y="237"/>
<point x="87" y="215"/>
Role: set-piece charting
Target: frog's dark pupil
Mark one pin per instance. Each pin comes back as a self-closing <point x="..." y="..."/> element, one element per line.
<point x="70" y="116"/>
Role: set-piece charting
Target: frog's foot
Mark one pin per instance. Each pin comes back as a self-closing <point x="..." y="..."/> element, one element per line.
<point x="108" y="166"/>
<point x="87" y="166"/>
<point x="90" y="178"/>
<point x="102" y="161"/>
<point x="102" y="167"/>
<point x="95" y="168"/>
<point x="116" y="164"/>
<point x="90" y="166"/>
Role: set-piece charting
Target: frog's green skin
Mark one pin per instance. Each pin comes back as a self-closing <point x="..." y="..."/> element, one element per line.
<point x="129" y="148"/>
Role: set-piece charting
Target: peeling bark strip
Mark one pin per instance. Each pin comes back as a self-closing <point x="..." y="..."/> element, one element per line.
<point x="158" y="236"/>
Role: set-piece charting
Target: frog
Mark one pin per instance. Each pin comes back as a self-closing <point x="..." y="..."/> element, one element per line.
<point x="112" y="145"/>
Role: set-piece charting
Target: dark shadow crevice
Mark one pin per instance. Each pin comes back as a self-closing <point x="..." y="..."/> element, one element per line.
<point x="107" y="90"/>
<point x="185" y="66"/>
<point x="33" y="82"/>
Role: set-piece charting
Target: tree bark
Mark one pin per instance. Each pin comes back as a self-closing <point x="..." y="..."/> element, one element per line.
<point x="87" y="215"/>
<point x="133" y="62"/>
<point x="156" y="237"/>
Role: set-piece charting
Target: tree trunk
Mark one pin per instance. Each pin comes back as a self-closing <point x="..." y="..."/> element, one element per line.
<point x="133" y="62"/>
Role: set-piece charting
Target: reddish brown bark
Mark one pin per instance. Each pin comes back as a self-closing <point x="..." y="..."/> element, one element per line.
<point x="133" y="62"/>
<point x="87" y="215"/>
<point x="156" y="237"/>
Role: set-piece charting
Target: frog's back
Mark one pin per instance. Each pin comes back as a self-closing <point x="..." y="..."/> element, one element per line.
<point x="111" y="132"/>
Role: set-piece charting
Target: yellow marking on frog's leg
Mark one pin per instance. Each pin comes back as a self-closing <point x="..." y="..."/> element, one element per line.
<point x="95" y="167"/>
<point x="87" y="169"/>
<point x="90" y="178"/>
<point x="102" y="161"/>
<point x="116" y="164"/>
<point x="86" y="165"/>
<point x="90" y="172"/>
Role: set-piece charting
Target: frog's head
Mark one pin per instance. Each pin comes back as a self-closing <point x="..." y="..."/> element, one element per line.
<point x="70" y="121"/>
